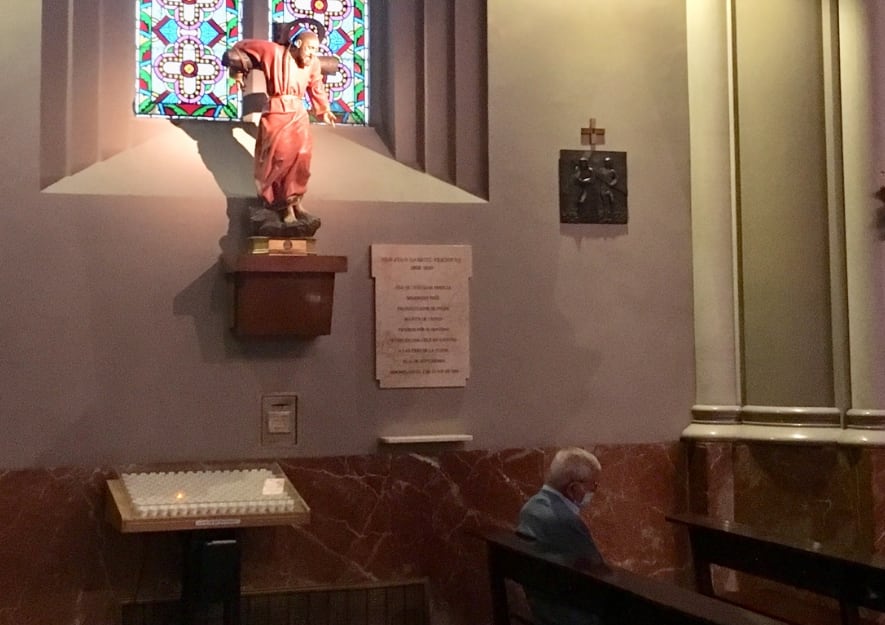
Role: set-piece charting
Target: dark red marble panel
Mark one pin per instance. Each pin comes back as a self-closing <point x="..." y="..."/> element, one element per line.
<point x="374" y="518"/>
<point x="720" y="482"/>
<point x="877" y="471"/>
<point x="811" y="492"/>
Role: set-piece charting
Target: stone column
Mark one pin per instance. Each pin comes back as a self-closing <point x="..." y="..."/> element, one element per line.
<point x="713" y="225"/>
<point x="862" y="27"/>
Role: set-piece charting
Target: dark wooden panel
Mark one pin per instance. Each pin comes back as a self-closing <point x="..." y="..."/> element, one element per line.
<point x="619" y="597"/>
<point x="283" y="263"/>
<point x="279" y="296"/>
<point x="268" y="304"/>
<point x="850" y="578"/>
<point x="400" y="604"/>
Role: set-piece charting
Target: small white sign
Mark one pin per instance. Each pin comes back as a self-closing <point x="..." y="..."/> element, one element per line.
<point x="216" y="522"/>
<point x="273" y="486"/>
<point x="278" y="422"/>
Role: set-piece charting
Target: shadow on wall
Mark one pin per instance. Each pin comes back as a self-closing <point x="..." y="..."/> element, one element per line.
<point x="880" y="213"/>
<point x="208" y="301"/>
<point x="223" y="156"/>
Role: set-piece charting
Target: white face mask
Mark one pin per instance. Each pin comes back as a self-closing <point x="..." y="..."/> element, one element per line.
<point x="586" y="499"/>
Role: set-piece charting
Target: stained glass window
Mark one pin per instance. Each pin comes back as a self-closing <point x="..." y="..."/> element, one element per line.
<point x="179" y="46"/>
<point x="346" y="38"/>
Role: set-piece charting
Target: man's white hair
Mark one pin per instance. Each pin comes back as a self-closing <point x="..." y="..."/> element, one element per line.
<point x="572" y="464"/>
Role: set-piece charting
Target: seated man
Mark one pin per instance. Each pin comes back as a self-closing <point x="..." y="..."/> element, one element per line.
<point x="552" y="518"/>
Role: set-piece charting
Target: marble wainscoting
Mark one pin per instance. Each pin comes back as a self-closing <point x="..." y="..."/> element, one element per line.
<point x="827" y="493"/>
<point x="877" y="467"/>
<point x="375" y="519"/>
<point x="831" y="494"/>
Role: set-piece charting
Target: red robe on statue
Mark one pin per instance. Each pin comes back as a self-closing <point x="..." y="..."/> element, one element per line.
<point x="284" y="146"/>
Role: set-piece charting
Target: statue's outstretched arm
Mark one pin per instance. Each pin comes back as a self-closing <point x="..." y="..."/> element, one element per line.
<point x="239" y="64"/>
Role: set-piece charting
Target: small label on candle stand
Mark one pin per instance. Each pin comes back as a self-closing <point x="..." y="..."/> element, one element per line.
<point x="216" y="522"/>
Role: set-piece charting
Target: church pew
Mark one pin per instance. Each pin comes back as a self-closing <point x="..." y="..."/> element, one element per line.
<point x="617" y="596"/>
<point x="852" y="580"/>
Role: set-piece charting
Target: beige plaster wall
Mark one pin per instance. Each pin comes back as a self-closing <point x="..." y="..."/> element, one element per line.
<point x="865" y="213"/>
<point x="113" y="341"/>
<point x="782" y="189"/>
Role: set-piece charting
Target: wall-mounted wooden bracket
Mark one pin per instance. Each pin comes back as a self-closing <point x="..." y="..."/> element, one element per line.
<point x="283" y="295"/>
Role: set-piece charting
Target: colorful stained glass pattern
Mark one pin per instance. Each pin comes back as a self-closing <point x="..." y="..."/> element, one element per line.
<point x="347" y="38"/>
<point x="179" y="48"/>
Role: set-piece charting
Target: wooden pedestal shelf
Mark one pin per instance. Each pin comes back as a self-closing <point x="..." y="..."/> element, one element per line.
<point x="280" y="296"/>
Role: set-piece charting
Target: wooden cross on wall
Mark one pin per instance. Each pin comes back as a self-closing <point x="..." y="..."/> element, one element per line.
<point x="592" y="135"/>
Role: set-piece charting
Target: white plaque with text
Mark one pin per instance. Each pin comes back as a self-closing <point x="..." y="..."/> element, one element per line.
<point x="422" y="315"/>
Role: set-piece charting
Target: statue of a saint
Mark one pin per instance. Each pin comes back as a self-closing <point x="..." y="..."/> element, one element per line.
<point x="292" y="69"/>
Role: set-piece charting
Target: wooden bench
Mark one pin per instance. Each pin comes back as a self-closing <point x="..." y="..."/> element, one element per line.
<point x="852" y="580"/>
<point x="617" y="596"/>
